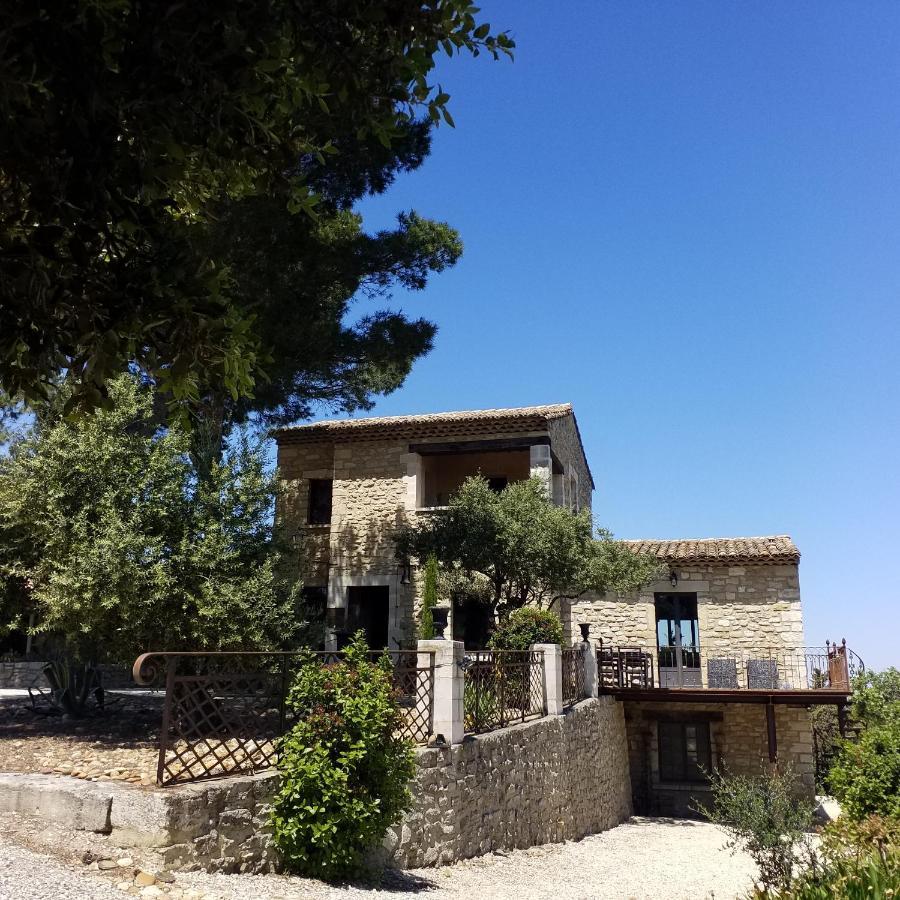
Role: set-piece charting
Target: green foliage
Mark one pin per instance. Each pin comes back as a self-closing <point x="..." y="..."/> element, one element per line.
<point x="107" y="532"/>
<point x="865" y="776"/>
<point x="429" y="598"/>
<point x="764" y="816"/>
<point x="527" y="550"/>
<point x="139" y="134"/>
<point x="527" y="626"/>
<point x="856" y="861"/>
<point x="344" y="769"/>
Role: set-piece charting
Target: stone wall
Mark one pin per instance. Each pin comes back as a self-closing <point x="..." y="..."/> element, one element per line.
<point x="739" y="608"/>
<point x="568" y="449"/>
<point x="738" y="738"/>
<point x="554" y="779"/>
<point x="557" y="778"/>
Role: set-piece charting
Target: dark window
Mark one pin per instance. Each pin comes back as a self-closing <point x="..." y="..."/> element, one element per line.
<point x="684" y="751"/>
<point x="367" y="609"/>
<point x="497" y="484"/>
<point x="320" y="501"/>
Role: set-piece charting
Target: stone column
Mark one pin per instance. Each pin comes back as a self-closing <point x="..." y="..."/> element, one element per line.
<point x="591" y="679"/>
<point x="448" y="688"/>
<point x="552" y="677"/>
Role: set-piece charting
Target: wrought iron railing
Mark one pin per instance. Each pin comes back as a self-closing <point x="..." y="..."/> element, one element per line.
<point x="223" y="713"/>
<point x="573" y="675"/>
<point x="768" y="669"/>
<point x="502" y="687"/>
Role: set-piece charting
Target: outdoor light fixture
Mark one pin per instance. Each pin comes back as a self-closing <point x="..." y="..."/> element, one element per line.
<point x="673" y="578"/>
<point x="585" y="631"/>
<point x="439" y="618"/>
<point x="405" y="569"/>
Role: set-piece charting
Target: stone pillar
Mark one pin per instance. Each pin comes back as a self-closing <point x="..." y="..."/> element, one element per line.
<point x="552" y="677"/>
<point x="448" y="688"/>
<point x="541" y="466"/>
<point x="591" y="675"/>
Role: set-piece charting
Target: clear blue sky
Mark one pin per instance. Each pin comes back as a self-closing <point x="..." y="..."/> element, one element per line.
<point x="684" y="218"/>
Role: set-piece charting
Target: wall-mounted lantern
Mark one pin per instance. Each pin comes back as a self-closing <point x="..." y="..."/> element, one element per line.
<point x="673" y="578"/>
<point x="405" y="570"/>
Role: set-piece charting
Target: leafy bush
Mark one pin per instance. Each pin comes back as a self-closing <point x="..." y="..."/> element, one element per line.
<point x="344" y="768"/>
<point x="764" y="816"/>
<point x="856" y="861"/>
<point x="527" y="626"/>
<point x="865" y="776"/>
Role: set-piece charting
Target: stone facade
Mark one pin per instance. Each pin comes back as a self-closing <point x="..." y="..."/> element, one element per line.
<point x="738" y="742"/>
<point x="379" y="483"/>
<point x="739" y="608"/>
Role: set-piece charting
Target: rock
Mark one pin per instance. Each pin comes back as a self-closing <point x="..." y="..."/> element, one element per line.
<point x="87" y="857"/>
<point x="124" y="886"/>
<point x="151" y="891"/>
<point x="106" y="864"/>
<point x="166" y="877"/>
<point x="144" y="879"/>
<point x="124" y="862"/>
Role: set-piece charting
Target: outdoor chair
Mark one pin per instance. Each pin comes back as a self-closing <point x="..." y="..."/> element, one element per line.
<point x="722" y="673"/>
<point x="762" y="674"/>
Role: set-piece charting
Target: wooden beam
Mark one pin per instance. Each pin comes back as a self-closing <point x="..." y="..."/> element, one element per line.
<point x="770" y="729"/>
<point x="497" y="445"/>
<point x="801" y="697"/>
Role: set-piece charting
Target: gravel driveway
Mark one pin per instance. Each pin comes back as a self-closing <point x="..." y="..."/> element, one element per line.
<point x="644" y="858"/>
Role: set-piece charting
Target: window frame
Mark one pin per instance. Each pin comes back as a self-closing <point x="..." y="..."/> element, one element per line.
<point x="316" y="513"/>
<point x="690" y="772"/>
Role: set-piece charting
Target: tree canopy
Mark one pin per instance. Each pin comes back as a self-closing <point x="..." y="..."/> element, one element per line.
<point x="526" y="550"/>
<point x="147" y="135"/>
<point x="109" y="538"/>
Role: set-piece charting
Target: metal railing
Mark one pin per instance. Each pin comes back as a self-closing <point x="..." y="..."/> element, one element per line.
<point x="223" y="713"/>
<point x="716" y="668"/>
<point x="502" y="687"/>
<point x="573" y="675"/>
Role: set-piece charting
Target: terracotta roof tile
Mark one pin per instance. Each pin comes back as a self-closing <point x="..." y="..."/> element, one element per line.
<point x="449" y="424"/>
<point x="771" y="550"/>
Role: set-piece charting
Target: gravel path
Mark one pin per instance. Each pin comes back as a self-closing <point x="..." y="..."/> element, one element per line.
<point x="643" y="859"/>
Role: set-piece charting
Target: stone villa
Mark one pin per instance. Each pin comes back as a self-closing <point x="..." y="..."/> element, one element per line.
<point x="710" y="663"/>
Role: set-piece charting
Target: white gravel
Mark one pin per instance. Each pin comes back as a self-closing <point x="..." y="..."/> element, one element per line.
<point x="644" y="859"/>
<point x="26" y="875"/>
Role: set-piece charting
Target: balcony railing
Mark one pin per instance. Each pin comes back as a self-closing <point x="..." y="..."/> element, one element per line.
<point x="715" y="668"/>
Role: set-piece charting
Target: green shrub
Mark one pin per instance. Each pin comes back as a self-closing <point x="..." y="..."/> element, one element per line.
<point x="856" y="861"/>
<point x="764" y="816"/>
<point x="344" y="768"/>
<point x="526" y="626"/>
<point x="865" y="776"/>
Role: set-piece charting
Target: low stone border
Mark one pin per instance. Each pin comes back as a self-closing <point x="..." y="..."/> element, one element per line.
<point x="215" y="826"/>
<point x="553" y="779"/>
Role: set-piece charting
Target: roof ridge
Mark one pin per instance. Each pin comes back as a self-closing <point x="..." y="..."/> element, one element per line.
<point x="452" y="414"/>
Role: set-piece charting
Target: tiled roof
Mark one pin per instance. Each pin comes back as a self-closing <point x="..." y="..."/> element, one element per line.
<point x="448" y="424"/>
<point x="771" y="550"/>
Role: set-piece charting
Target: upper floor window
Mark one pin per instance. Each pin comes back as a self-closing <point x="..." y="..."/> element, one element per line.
<point x="319" y="501"/>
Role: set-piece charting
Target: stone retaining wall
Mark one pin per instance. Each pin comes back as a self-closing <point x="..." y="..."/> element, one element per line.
<point x="555" y="779"/>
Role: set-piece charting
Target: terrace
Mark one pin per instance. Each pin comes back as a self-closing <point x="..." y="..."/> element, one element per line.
<point x="763" y="675"/>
